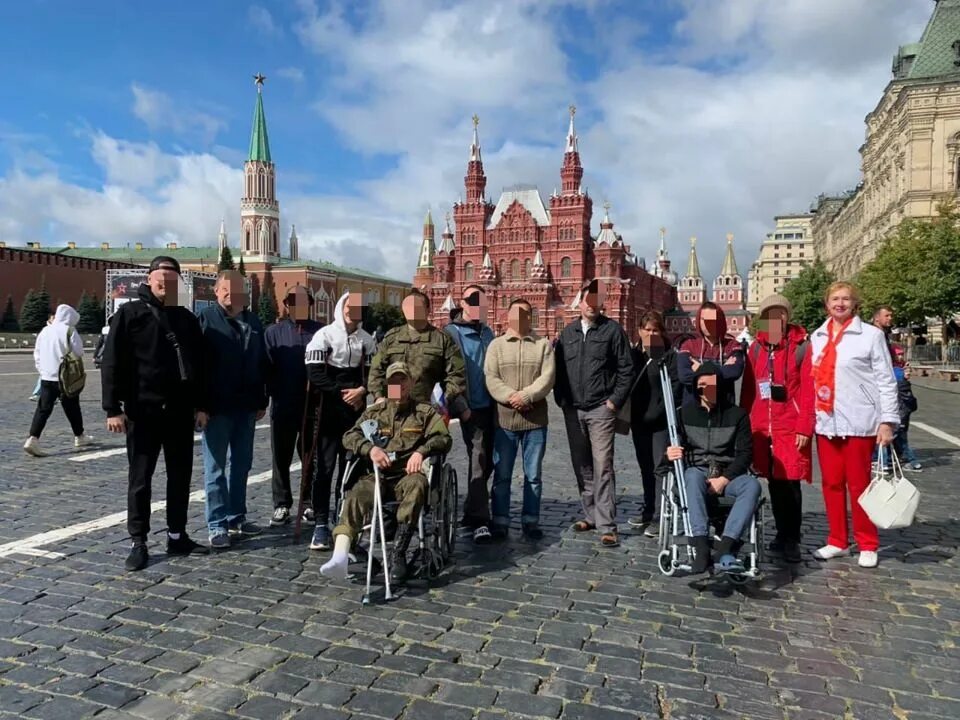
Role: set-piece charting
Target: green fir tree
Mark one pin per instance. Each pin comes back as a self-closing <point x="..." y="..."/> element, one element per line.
<point x="226" y="260"/>
<point x="9" y="322"/>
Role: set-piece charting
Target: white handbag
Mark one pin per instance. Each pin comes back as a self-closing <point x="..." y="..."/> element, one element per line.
<point x="890" y="500"/>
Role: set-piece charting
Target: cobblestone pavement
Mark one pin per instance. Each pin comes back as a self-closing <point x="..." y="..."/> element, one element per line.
<point x="557" y="629"/>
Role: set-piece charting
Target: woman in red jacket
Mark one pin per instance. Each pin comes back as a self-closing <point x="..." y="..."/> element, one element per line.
<point x="778" y="393"/>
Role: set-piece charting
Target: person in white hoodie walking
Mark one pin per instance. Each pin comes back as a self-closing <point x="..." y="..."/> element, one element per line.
<point x="48" y="352"/>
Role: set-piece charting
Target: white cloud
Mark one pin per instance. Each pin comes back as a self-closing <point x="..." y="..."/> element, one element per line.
<point x="294" y="74"/>
<point x="263" y="23"/>
<point x="158" y="111"/>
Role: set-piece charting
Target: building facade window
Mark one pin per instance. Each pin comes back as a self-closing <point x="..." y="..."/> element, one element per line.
<point x="514" y="269"/>
<point x="566" y="267"/>
<point x="468" y="271"/>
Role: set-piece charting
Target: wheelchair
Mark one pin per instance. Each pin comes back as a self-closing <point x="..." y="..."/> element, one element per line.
<point x="436" y="531"/>
<point x="673" y="533"/>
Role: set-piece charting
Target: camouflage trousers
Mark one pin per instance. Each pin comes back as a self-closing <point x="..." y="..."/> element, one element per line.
<point x="410" y="491"/>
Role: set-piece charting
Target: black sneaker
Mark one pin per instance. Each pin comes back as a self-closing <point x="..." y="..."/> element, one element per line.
<point x="532" y="531"/>
<point x="776" y="545"/>
<point x="791" y="552"/>
<point x="138" y="557"/>
<point x="183" y="545"/>
<point x="281" y="516"/>
<point x="482" y="536"/>
<point x="498" y="532"/>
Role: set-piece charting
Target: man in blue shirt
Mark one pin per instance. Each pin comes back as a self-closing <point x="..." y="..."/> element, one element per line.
<point x="475" y="409"/>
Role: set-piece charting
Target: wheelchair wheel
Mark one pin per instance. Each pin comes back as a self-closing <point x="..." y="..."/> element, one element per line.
<point x="446" y="515"/>
<point x="665" y="562"/>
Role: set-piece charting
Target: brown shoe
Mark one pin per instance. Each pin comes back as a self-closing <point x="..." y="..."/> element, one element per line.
<point x="583" y="526"/>
<point x="609" y="540"/>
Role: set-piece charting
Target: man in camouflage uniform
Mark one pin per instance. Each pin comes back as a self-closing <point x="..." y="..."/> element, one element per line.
<point x="412" y="431"/>
<point x="431" y="355"/>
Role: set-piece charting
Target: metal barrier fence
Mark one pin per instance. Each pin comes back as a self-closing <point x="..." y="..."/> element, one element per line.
<point x="934" y="354"/>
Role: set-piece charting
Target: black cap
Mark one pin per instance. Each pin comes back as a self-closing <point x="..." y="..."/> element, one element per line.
<point x="164" y="262"/>
<point x="707" y="368"/>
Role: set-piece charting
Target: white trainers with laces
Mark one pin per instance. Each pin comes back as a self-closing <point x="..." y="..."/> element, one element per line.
<point x="828" y="552"/>
<point x="868" y="559"/>
<point x="32" y="447"/>
<point x="81" y="440"/>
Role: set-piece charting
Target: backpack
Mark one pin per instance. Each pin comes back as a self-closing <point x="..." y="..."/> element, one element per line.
<point x="72" y="375"/>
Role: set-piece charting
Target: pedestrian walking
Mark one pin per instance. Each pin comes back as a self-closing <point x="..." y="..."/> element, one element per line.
<point x="648" y="413"/>
<point x="152" y="376"/>
<point x="236" y="397"/>
<point x="53" y="344"/>
<point x="475" y="409"/>
<point x="710" y="343"/>
<point x="285" y="344"/>
<point x="35" y="395"/>
<point x="520" y="372"/>
<point x="777" y="392"/>
<point x="336" y="360"/>
<point x="101" y="344"/>
<point x="906" y="405"/>
<point x="594" y="379"/>
<point x="856" y="409"/>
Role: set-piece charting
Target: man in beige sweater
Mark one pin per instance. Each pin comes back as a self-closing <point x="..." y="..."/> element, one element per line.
<point x="520" y="371"/>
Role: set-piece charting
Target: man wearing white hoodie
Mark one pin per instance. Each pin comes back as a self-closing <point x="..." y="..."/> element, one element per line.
<point x="53" y="343"/>
<point x="335" y="360"/>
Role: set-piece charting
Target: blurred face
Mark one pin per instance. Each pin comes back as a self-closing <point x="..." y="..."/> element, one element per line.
<point x="774" y="324"/>
<point x="708" y="323"/>
<point x="590" y="303"/>
<point x="474" y="305"/>
<point x="163" y="284"/>
<point x="231" y="293"/>
<point x="415" y="310"/>
<point x="650" y="336"/>
<point x="353" y="309"/>
<point x="707" y="390"/>
<point x="840" y="304"/>
<point x="518" y="319"/>
<point x="398" y="388"/>
<point x="298" y="304"/>
<point x="883" y="318"/>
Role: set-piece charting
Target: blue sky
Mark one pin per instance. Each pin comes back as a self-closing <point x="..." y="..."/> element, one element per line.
<point x="129" y="121"/>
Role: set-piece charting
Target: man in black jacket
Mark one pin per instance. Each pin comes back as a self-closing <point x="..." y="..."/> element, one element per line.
<point x="236" y="397"/>
<point x="286" y="343"/>
<point x="594" y="377"/>
<point x="717" y="452"/>
<point x="151" y="375"/>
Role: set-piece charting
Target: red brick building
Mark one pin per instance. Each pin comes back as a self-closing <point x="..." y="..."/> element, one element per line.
<point x="521" y="247"/>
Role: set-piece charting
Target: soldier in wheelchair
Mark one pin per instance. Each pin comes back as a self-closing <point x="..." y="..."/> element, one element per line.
<point x="717" y="452"/>
<point x="407" y="432"/>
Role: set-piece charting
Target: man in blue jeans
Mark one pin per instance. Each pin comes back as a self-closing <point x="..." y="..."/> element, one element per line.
<point x="236" y="398"/>
<point x="520" y="373"/>
<point x="717" y="452"/>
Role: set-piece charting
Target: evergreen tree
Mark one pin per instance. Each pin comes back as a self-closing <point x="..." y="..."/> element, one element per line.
<point x="91" y="319"/>
<point x="805" y="293"/>
<point x="383" y="316"/>
<point x="9" y="321"/>
<point x="267" y="306"/>
<point x="226" y="259"/>
<point x="241" y="268"/>
<point x="34" y="313"/>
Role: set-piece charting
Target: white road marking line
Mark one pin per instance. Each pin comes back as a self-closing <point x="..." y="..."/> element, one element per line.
<point x="86" y="457"/>
<point x="12" y="374"/>
<point x="936" y="432"/>
<point x="30" y="545"/>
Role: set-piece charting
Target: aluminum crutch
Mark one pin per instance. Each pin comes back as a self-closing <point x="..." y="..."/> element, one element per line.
<point x="673" y="431"/>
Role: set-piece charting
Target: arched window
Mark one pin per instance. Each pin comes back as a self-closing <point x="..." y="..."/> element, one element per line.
<point x="534" y="317"/>
<point x="526" y="268"/>
<point x="566" y="267"/>
<point x="503" y="268"/>
<point x="468" y="271"/>
<point x="514" y="269"/>
<point x="603" y="269"/>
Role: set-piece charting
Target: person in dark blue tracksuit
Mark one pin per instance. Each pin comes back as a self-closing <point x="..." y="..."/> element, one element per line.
<point x="286" y="343"/>
<point x="475" y="409"/>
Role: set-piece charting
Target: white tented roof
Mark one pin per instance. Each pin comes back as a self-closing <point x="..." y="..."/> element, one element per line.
<point x="526" y="195"/>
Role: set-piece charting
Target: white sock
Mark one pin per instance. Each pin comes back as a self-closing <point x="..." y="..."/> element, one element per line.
<point x="336" y="566"/>
<point x="173" y="536"/>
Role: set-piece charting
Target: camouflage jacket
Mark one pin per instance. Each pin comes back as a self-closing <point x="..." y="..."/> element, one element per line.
<point x="432" y="356"/>
<point x="417" y="427"/>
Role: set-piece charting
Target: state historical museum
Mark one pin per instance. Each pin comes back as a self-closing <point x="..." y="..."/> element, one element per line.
<point x="521" y="247"/>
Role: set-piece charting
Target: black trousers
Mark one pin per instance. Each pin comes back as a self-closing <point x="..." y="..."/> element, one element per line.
<point x="172" y="431"/>
<point x="786" y="499"/>
<point x="329" y="465"/>
<point x="650" y="447"/>
<point x="478" y="437"/>
<point x="49" y="393"/>
<point x="285" y="439"/>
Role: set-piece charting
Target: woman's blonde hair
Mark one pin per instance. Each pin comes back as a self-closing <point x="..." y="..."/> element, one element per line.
<point x="843" y="285"/>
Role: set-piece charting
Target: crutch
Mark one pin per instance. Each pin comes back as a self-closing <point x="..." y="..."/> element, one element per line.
<point x="371" y="431"/>
<point x="673" y="432"/>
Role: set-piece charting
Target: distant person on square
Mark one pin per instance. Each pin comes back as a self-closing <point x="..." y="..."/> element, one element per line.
<point x="152" y="376"/>
<point x="285" y="343"/>
<point x="520" y="372"/>
<point x="236" y="397"/>
<point x="53" y="343"/>
<point x="594" y="379"/>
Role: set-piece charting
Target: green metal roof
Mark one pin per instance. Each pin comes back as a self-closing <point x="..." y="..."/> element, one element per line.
<point x="939" y="51"/>
<point x="259" y="144"/>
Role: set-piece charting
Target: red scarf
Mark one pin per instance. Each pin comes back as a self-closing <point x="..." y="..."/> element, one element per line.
<point x="825" y="368"/>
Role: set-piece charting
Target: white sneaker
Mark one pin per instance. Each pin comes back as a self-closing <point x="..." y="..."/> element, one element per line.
<point x="32" y="447"/>
<point x="868" y="559"/>
<point x="81" y="440"/>
<point x="828" y="552"/>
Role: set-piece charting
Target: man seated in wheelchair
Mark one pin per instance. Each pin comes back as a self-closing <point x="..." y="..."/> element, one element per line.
<point x="717" y="453"/>
<point x="408" y="432"/>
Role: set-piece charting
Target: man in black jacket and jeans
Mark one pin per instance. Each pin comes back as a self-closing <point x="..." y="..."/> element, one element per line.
<point x="594" y="378"/>
<point x="151" y="375"/>
<point x="717" y="452"/>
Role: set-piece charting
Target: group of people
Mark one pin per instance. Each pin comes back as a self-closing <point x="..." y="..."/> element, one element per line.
<point x="167" y="373"/>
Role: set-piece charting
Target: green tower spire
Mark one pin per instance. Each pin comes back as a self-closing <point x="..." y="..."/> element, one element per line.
<point x="259" y="143"/>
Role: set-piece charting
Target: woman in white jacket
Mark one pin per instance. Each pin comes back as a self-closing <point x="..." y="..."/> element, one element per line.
<point x="856" y="409"/>
<point x="48" y="352"/>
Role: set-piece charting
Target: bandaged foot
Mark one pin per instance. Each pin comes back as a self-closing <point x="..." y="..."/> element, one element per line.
<point x="336" y="566"/>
